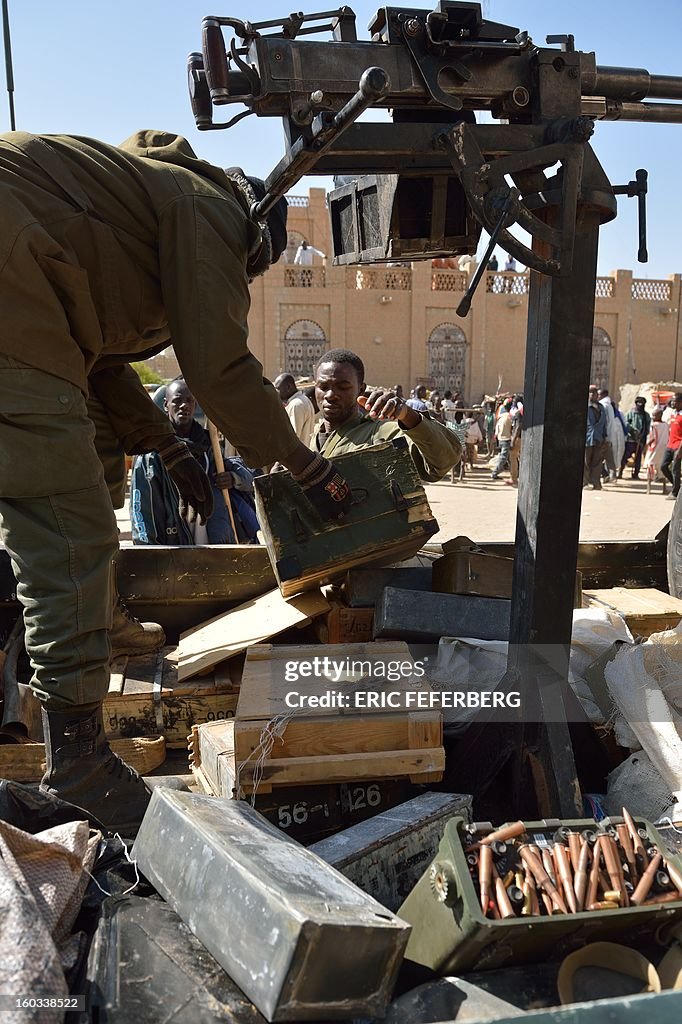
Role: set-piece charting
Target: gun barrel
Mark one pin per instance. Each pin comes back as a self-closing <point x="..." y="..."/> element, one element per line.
<point x="666" y="87"/>
<point x="614" y="110"/>
<point x="631" y="84"/>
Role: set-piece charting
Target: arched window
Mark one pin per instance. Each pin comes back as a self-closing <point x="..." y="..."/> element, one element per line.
<point x="294" y="239"/>
<point x="600" y="373"/>
<point x="447" y="347"/>
<point x="304" y="343"/>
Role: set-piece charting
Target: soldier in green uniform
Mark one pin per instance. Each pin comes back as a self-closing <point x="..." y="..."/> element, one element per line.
<point x="107" y="254"/>
<point x="346" y="426"/>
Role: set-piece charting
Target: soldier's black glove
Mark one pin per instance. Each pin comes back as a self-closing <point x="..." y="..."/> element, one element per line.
<point x="196" y="496"/>
<point x="325" y="489"/>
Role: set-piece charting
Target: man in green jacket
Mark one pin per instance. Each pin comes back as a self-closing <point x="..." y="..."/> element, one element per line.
<point x="346" y="426"/>
<point x="107" y="254"/>
<point x="639" y="425"/>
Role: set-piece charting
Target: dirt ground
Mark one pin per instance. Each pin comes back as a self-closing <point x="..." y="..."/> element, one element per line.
<point x="485" y="510"/>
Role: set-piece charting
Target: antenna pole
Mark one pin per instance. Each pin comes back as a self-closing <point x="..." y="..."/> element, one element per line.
<point x="8" y="63"/>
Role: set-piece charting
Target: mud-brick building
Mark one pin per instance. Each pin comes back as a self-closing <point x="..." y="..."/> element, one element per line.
<point x="401" y="320"/>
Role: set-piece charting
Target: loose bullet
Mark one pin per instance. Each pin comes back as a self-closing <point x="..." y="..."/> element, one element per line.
<point x="534" y="865"/>
<point x="564" y="871"/>
<point x="580" y="880"/>
<point x="511" y="831"/>
<point x="485" y="868"/>
<point x="645" y="882"/>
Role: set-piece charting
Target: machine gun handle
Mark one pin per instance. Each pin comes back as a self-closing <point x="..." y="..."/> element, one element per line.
<point x="642" y="179"/>
<point x="639" y="187"/>
<point x="373" y="85"/>
<point x="215" y="60"/>
<point x="465" y="303"/>
<point x="199" y="95"/>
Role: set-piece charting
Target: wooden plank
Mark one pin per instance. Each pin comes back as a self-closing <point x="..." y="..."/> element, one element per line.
<point x="366" y="555"/>
<point x="345" y="768"/>
<point x="637" y="601"/>
<point x="310" y="737"/>
<point x="425" y="730"/>
<point x="250" y="623"/>
<point x="25" y="762"/>
<point x="645" y="609"/>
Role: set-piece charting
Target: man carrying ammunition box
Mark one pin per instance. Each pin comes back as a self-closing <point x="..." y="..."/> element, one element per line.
<point x="108" y="254"/>
<point x="346" y="426"/>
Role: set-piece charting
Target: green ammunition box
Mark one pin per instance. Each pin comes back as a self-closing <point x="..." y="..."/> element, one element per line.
<point x="450" y="933"/>
<point x="390" y="519"/>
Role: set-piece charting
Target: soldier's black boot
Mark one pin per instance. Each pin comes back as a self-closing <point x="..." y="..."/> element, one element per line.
<point x="83" y="769"/>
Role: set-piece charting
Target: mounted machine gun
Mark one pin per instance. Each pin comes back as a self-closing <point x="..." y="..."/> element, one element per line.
<point x="424" y="184"/>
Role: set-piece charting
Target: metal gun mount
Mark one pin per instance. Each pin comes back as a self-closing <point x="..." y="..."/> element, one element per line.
<point x="425" y="184"/>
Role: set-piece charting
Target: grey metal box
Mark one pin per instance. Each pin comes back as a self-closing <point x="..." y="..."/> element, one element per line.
<point x="300" y="940"/>
<point x="387" y="854"/>
<point x="425" y="618"/>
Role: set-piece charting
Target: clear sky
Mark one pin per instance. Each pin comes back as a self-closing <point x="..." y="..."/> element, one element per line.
<point x="106" y="69"/>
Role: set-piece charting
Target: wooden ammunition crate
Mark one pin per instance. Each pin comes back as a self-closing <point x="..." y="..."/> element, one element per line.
<point x="644" y="609"/>
<point x="390" y="519"/>
<point x="306" y="813"/>
<point x="317" y="745"/>
<point x="344" y="625"/>
<point x="25" y="762"/>
<point x="146" y="699"/>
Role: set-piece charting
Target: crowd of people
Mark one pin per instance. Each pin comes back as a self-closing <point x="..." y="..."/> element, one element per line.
<point x="649" y="441"/>
<point x="491" y="428"/>
<point x="337" y="414"/>
<point x="489" y="436"/>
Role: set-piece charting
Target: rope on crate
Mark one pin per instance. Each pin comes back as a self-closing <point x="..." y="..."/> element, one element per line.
<point x="273" y="730"/>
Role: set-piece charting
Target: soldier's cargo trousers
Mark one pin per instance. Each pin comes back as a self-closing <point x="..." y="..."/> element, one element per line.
<point x="58" y="525"/>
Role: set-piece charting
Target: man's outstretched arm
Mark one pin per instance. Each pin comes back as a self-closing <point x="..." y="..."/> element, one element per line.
<point x="434" y="448"/>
